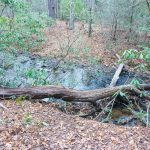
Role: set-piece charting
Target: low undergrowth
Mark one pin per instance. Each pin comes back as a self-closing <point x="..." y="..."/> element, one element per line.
<point x="22" y="30"/>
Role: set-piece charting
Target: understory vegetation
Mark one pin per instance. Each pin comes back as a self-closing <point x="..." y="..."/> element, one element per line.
<point x="21" y="28"/>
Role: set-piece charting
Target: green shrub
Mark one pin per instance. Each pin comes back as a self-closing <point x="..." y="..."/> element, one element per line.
<point x="38" y="77"/>
<point x="139" y="59"/>
<point x="23" y="31"/>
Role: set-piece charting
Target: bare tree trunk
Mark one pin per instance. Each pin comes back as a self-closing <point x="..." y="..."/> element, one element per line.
<point x="114" y="21"/>
<point x="148" y="5"/>
<point x="72" y="95"/>
<point x="71" y="19"/>
<point x="130" y="33"/>
<point x="58" y="9"/>
<point x="115" y="26"/>
<point x="52" y="8"/>
<point x="145" y="36"/>
<point x="2" y="10"/>
<point x="91" y="5"/>
<point x="90" y="23"/>
<point x="131" y="23"/>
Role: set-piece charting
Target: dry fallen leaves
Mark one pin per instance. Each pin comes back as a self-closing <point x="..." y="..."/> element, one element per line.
<point x="52" y="129"/>
<point x="83" y="48"/>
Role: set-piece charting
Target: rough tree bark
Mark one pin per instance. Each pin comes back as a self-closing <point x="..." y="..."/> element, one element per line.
<point x="52" y="8"/>
<point x="72" y="95"/>
<point x="71" y="19"/>
<point x="90" y="23"/>
<point x="115" y="26"/>
<point x="148" y="5"/>
<point x="90" y="4"/>
<point x="131" y="21"/>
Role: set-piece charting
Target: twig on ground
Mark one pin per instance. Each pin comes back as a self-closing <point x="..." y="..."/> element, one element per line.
<point x="112" y="101"/>
<point x="2" y="106"/>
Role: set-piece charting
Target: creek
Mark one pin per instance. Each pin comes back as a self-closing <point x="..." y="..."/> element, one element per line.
<point x="24" y="70"/>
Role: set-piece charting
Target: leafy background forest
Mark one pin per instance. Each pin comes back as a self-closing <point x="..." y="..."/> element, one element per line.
<point x="86" y="58"/>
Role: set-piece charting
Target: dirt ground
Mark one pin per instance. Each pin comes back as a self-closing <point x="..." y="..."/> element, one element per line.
<point x="36" y="126"/>
<point x="99" y="48"/>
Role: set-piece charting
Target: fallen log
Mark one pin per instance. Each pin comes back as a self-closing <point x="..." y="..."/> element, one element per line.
<point x="70" y="94"/>
<point x="116" y="76"/>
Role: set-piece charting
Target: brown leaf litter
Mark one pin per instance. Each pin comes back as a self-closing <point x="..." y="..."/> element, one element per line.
<point x="83" y="48"/>
<point x="36" y="126"/>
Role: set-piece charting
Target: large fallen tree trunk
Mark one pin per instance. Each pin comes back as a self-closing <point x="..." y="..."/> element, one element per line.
<point x="71" y="95"/>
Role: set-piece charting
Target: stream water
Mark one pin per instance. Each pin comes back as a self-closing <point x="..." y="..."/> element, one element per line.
<point x="22" y="70"/>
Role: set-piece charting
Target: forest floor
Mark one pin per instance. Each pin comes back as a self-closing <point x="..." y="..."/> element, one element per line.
<point x="39" y="126"/>
<point x="81" y="48"/>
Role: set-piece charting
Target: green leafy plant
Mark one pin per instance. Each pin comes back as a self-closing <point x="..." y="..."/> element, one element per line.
<point x="25" y="29"/>
<point x="137" y="59"/>
<point x="20" y="99"/>
<point x="38" y="77"/>
<point x="28" y="119"/>
<point x="136" y="82"/>
<point x="94" y="60"/>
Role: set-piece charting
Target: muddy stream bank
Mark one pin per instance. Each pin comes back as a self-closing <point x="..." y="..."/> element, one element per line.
<point x="24" y="70"/>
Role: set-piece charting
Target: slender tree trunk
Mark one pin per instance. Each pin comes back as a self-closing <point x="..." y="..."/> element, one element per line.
<point x="148" y="5"/>
<point x="146" y="36"/>
<point x="71" y="19"/>
<point x="90" y="23"/>
<point x="131" y="23"/>
<point x="2" y="10"/>
<point x="115" y="27"/>
<point x="91" y="6"/>
<point x="131" y="20"/>
<point x="58" y="9"/>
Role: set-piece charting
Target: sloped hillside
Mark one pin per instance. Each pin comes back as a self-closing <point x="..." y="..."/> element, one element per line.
<point x="38" y="126"/>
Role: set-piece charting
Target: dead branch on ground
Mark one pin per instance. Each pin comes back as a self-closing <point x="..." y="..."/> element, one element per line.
<point x="72" y="95"/>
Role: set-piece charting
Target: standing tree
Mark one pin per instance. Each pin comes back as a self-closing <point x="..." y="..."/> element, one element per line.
<point x="90" y="19"/>
<point x="90" y="4"/>
<point x="52" y="8"/>
<point x="71" y="19"/>
<point x="131" y="18"/>
<point x="148" y="5"/>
